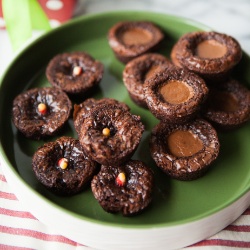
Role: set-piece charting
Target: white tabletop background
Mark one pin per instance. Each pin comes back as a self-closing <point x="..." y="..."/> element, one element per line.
<point x="228" y="16"/>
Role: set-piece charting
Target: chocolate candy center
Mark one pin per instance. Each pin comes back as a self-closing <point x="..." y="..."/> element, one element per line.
<point x="210" y="49"/>
<point x="224" y="101"/>
<point x="136" y="36"/>
<point x="176" y="92"/>
<point x="184" y="143"/>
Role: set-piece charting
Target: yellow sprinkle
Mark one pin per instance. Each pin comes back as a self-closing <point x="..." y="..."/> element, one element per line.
<point x="63" y="163"/>
<point x="106" y="131"/>
<point x="42" y="108"/>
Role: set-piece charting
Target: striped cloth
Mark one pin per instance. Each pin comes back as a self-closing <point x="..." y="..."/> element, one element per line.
<point x="21" y="230"/>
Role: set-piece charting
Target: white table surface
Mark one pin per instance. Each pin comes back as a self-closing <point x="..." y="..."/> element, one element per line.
<point x="228" y="16"/>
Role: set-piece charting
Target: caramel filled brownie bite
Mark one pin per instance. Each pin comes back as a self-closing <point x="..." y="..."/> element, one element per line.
<point x="184" y="152"/>
<point x="74" y="72"/>
<point x="228" y="105"/>
<point x="81" y="110"/>
<point x="139" y="70"/>
<point x="110" y="134"/>
<point x="125" y="188"/>
<point x="175" y="95"/>
<point x="130" y="39"/>
<point x="41" y="112"/>
<point x="62" y="167"/>
<point x="212" y="55"/>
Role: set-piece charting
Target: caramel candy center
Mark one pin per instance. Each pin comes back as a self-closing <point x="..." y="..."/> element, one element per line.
<point x="176" y="92"/>
<point x="184" y="143"/>
<point x="224" y="101"/>
<point x="136" y="36"/>
<point x="211" y="49"/>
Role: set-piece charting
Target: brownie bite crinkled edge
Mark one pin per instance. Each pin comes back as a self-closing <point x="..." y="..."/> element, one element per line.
<point x="110" y="134"/>
<point x="212" y="55"/>
<point x="125" y="188"/>
<point x="139" y="70"/>
<point x="75" y="72"/>
<point x="41" y="112"/>
<point x="130" y="39"/>
<point x="82" y="110"/>
<point x="184" y="152"/>
<point x="62" y="167"/>
<point x="175" y="95"/>
<point x="228" y="105"/>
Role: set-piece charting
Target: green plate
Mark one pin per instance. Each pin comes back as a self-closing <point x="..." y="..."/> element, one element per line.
<point x="174" y="202"/>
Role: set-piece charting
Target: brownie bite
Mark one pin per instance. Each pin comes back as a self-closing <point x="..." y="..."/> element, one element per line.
<point x="82" y="110"/>
<point x="212" y="55"/>
<point x="130" y="39"/>
<point x="139" y="70"/>
<point x="125" y="188"/>
<point x="175" y="95"/>
<point x="62" y="167"/>
<point x="228" y="105"/>
<point x="74" y="72"/>
<point x="184" y="152"/>
<point x="41" y="112"/>
<point x="110" y="134"/>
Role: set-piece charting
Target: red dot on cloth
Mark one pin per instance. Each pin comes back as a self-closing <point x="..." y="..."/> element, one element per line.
<point x="59" y="10"/>
<point x="2" y="22"/>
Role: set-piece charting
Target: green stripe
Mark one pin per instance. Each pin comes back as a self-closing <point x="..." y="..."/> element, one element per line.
<point x="21" y="17"/>
<point x="39" y="19"/>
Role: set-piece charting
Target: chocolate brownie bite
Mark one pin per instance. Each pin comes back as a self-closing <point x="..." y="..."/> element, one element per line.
<point x="81" y="110"/>
<point x="41" y="112"/>
<point x="174" y="59"/>
<point x="228" y="105"/>
<point x="62" y="167"/>
<point x="74" y="72"/>
<point x="212" y="55"/>
<point x="130" y="39"/>
<point x="139" y="70"/>
<point x="175" y="95"/>
<point x="110" y="135"/>
<point x="184" y="152"/>
<point x="125" y="188"/>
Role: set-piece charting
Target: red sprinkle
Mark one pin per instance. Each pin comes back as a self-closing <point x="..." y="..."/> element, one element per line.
<point x="120" y="179"/>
